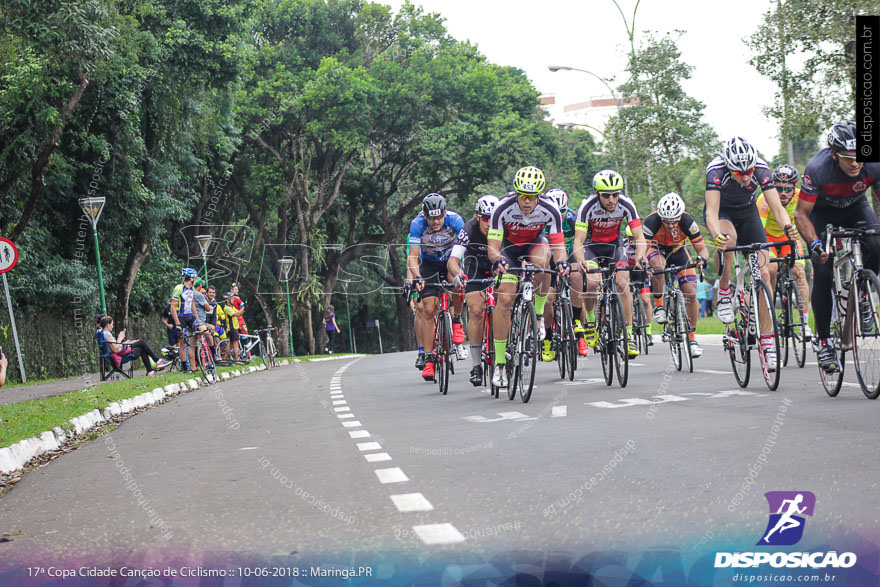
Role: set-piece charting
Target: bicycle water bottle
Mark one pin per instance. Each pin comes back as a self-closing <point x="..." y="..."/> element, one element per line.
<point x="844" y="296"/>
<point x="528" y="291"/>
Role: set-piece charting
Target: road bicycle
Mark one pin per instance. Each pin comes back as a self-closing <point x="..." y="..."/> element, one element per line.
<point x="789" y="308"/>
<point x="204" y="353"/>
<point x="640" y="322"/>
<point x="678" y="327"/>
<point x="742" y="335"/>
<point x="562" y="338"/>
<point x="613" y="338"/>
<point x="523" y="344"/>
<point x="856" y="303"/>
<point x="487" y="344"/>
<point x="268" y="351"/>
<point x="444" y="349"/>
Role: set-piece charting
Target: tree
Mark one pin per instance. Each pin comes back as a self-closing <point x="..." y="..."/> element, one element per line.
<point x="664" y="130"/>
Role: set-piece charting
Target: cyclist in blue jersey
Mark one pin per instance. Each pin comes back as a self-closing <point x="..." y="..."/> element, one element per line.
<point x="182" y="310"/>
<point x="431" y="236"/>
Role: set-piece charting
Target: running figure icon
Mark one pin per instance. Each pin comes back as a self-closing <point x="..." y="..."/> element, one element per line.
<point x="786" y="524"/>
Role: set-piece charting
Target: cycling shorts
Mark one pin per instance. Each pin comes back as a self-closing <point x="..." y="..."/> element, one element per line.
<point x="173" y="336"/>
<point x="433" y="272"/>
<point x="784" y="250"/>
<point x="513" y="252"/>
<point x="188" y="322"/>
<point x="615" y="251"/>
<point x="746" y="222"/>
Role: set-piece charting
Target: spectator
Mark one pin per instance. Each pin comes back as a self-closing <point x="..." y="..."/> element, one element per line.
<point x="4" y="362"/>
<point x="710" y="297"/>
<point x="239" y="304"/>
<point x="170" y="329"/>
<point x="119" y="347"/>
<point x="703" y="297"/>
<point x="231" y="316"/>
<point x="331" y="327"/>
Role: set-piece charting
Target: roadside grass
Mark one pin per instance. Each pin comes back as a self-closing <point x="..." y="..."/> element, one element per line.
<point x="309" y="357"/>
<point x="710" y="325"/>
<point x="30" y="418"/>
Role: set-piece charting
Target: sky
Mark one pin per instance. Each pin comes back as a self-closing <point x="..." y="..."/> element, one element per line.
<point x="591" y="35"/>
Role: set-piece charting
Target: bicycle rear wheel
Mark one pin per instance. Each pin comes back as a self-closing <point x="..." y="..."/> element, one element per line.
<point x="264" y="356"/>
<point x="488" y="352"/>
<point x="621" y="342"/>
<point x="671" y="333"/>
<point x="797" y="325"/>
<point x="833" y="381"/>
<point x="224" y="349"/>
<point x="866" y="333"/>
<point x="684" y="329"/>
<point x="273" y="352"/>
<point x="640" y="323"/>
<point x="529" y="346"/>
<point x="782" y="309"/>
<point x="736" y="341"/>
<point x="771" y="372"/>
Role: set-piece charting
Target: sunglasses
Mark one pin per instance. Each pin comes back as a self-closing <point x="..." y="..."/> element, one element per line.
<point x="530" y="197"/>
<point x="745" y="173"/>
<point x="847" y="158"/>
<point x="484" y="218"/>
<point x="609" y="195"/>
<point x="788" y="190"/>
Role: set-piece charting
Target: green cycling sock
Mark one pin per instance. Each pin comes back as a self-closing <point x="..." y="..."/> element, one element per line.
<point x="539" y="305"/>
<point x="591" y="315"/>
<point x="500" y="346"/>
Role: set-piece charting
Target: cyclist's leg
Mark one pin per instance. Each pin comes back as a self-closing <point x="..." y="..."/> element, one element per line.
<point x="750" y="231"/>
<point x="773" y="268"/>
<point x="476" y="307"/>
<point x="539" y="255"/>
<point x="725" y="220"/>
<point x="234" y="342"/>
<point x="505" y="294"/>
<point x="657" y="261"/>
<point x="592" y="251"/>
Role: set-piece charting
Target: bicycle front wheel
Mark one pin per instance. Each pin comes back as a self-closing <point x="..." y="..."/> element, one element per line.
<point x="782" y="309"/>
<point x="441" y="352"/>
<point x="569" y="342"/>
<point x="683" y="325"/>
<point x="224" y="350"/>
<point x="771" y="371"/>
<point x="264" y="356"/>
<point x="557" y="339"/>
<point x="273" y="352"/>
<point x="866" y="330"/>
<point x="671" y="333"/>
<point x="797" y="325"/>
<point x="621" y="343"/>
<point x="640" y="323"/>
<point x="833" y="381"/>
<point x="529" y="347"/>
<point x="736" y="342"/>
<point x="606" y="341"/>
<point x="488" y="352"/>
<point x="205" y="360"/>
<point x="512" y="352"/>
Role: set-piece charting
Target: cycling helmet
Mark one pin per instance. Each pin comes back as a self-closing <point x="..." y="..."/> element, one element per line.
<point x="189" y="272"/>
<point x="842" y="136"/>
<point x="670" y="206"/>
<point x="529" y="180"/>
<point x="559" y="199"/>
<point x="607" y="180"/>
<point x="786" y="174"/>
<point x="739" y="155"/>
<point x="434" y="205"/>
<point x="485" y="205"/>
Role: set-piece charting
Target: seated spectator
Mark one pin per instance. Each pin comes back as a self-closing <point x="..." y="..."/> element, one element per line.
<point x="119" y="347"/>
<point x="3" y="363"/>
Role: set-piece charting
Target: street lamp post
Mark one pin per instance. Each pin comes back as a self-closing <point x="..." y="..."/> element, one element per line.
<point x="204" y="241"/>
<point x="92" y="208"/>
<point x="617" y="102"/>
<point x="348" y="316"/>
<point x="286" y="264"/>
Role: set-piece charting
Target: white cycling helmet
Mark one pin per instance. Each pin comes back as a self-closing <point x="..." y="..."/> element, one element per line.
<point x="485" y="205"/>
<point x="670" y="206"/>
<point x="559" y="199"/>
<point x="739" y="155"/>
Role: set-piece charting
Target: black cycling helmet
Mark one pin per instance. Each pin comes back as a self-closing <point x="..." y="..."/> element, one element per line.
<point x="434" y="205"/>
<point x="842" y="136"/>
<point x="785" y="173"/>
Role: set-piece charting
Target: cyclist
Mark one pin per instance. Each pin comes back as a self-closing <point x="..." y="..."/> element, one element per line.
<point x="732" y="180"/>
<point x="569" y="219"/>
<point x="668" y="230"/>
<point x="639" y="277"/>
<point x="516" y="231"/>
<point x="597" y="235"/>
<point x="471" y="249"/>
<point x="833" y="191"/>
<point x="182" y="311"/>
<point x="785" y="178"/>
<point x="431" y="236"/>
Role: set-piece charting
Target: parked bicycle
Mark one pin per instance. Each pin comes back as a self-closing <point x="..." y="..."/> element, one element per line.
<point x="268" y="351"/>
<point x="789" y="308"/>
<point x="856" y="303"/>
<point x="204" y="353"/>
<point x="678" y="327"/>
<point x="751" y="296"/>
<point x="613" y="338"/>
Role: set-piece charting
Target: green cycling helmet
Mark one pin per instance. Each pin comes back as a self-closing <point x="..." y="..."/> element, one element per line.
<point x="529" y="180"/>
<point x="608" y="180"/>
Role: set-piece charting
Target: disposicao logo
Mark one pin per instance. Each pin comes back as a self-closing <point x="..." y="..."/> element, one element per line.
<point x="785" y="528"/>
<point x="786" y="525"/>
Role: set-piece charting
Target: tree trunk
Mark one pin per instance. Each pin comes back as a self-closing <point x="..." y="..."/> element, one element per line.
<point x="139" y="252"/>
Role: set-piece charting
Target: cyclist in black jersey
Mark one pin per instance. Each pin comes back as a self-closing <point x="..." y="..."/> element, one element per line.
<point x="732" y="182"/>
<point x="469" y="259"/>
<point x="834" y="191"/>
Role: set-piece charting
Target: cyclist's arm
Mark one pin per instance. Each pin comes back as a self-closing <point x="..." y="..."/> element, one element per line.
<point x="641" y="245"/>
<point x="167" y="323"/>
<point x="453" y="265"/>
<point x="494" y="241"/>
<point x="803" y="222"/>
<point x="577" y="246"/>
<point x="174" y="317"/>
<point x="713" y="203"/>
<point x="412" y="261"/>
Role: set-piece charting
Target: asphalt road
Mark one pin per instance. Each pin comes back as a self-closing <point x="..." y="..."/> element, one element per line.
<point x="309" y="459"/>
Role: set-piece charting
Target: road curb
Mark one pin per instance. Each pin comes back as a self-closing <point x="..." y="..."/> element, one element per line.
<point x="18" y="455"/>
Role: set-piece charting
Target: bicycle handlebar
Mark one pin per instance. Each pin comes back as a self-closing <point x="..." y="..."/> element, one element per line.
<point x="755" y="247"/>
<point x="673" y="268"/>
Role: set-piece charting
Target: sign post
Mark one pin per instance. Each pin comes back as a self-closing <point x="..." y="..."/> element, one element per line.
<point x="375" y="323"/>
<point x="8" y="259"/>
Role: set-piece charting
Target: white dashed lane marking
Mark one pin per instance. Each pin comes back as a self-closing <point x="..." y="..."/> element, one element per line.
<point x="351" y="424"/>
<point x="432" y="534"/>
<point x="359" y="434"/>
<point x="392" y="475"/>
<point x="365" y="446"/>
<point x="411" y="502"/>
<point x="377" y="457"/>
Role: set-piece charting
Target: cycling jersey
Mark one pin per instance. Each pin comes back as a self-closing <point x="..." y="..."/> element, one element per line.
<point x="186" y="301"/>
<point x="601" y="225"/>
<point x="671" y="238"/>
<point x="769" y="220"/>
<point x="511" y="224"/>
<point x="470" y="242"/>
<point x="568" y="223"/>
<point x="733" y="195"/>
<point x="435" y="246"/>
<point x="827" y="185"/>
